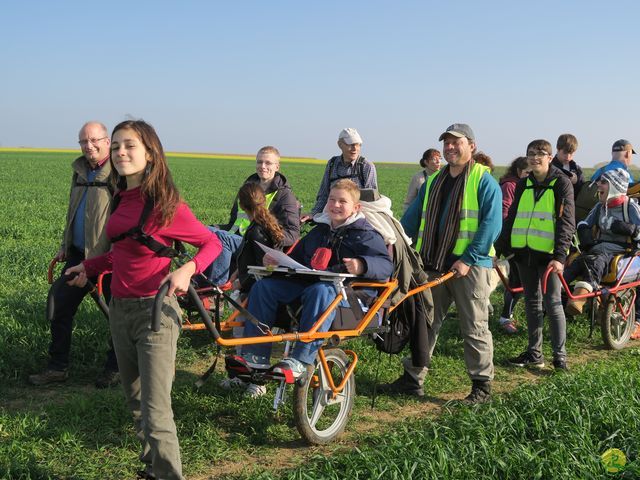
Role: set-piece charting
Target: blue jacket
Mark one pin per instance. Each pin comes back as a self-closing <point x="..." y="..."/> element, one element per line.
<point x="490" y="222"/>
<point x="355" y="240"/>
<point x="613" y="164"/>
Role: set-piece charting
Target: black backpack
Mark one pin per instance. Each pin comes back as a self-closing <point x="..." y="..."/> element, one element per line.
<point x="586" y="199"/>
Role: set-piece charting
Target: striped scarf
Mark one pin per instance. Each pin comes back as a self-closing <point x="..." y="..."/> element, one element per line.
<point x="436" y="246"/>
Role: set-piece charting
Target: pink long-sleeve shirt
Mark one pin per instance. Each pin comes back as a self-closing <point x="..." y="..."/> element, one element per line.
<point x="137" y="271"/>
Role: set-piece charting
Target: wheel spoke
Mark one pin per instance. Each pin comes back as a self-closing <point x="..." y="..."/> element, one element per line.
<point x="317" y="408"/>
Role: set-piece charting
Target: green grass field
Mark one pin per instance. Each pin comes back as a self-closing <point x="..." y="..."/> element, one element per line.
<point x="539" y="425"/>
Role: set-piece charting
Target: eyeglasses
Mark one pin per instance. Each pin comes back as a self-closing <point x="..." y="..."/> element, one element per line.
<point x="92" y="141"/>
<point x="537" y="154"/>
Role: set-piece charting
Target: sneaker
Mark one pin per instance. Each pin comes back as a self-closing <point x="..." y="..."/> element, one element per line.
<point x="257" y="362"/>
<point x="232" y="383"/>
<point x="508" y="326"/>
<point x="49" y="376"/>
<point x="560" y="364"/>
<point x="526" y="359"/>
<point x="404" y="385"/>
<point x="636" y="333"/>
<point x="108" y="379"/>
<point x="288" y="369"/>
<point x="255" y="391"/>
<point x="480" y="393"/>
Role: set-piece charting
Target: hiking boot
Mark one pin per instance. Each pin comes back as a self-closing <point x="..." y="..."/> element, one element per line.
<point x="574" y="307"/>
<point x="480" y="393"/>
<point x="560" y="364"/>
<point x="48" y="376"/>
<point x="108" y="379"/>
<point x="404" y="385"/>
<point x="144" y="475"/>
<point x="255" y="391"/>
<point x="288" y="369"/>
<point x="527" y="359"/>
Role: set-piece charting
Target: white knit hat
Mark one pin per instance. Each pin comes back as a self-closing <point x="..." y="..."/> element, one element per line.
<point x="618" y="180"/>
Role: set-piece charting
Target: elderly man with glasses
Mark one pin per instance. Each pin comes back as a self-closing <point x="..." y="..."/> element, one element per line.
<point x="84" y="236"/>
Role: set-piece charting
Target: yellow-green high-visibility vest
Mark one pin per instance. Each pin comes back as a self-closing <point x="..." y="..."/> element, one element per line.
<point x="535" y="222"/>
<point x="469" y="212"/>
<point x="242" y="221"/>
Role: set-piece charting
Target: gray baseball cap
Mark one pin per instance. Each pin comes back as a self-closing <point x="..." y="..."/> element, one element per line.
<point x="622" y="145"/>
<point x="459" y="130"/>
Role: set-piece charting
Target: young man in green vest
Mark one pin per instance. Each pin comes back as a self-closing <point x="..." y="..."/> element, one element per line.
<point x="280" y="201"/>
<point x="538" y="231"/>
<point x="454" y="221"/>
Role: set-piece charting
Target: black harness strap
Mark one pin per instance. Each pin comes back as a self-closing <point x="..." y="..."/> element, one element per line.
<point x="79" y="183"/>
<point x="138" y="234"/>
<point x="359" y="174"/>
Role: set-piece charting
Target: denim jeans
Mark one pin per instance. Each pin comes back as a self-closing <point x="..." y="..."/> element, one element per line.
<point x="218" y="272"/>
<point x="267" y="294"/>
<point x="531" y="277"/>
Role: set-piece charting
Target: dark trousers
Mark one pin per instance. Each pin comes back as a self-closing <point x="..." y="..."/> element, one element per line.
<point x="510" y="299"/>
<point x="67" y="299"/>
<point x="591" y="267"/>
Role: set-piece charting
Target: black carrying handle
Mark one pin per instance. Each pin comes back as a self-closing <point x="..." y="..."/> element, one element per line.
<point x="156" y="312"/>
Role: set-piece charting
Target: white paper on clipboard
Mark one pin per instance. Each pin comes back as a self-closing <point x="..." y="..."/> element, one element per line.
<point x="282" y="258"/>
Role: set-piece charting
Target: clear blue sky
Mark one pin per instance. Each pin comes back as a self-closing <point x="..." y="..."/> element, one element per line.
<point x="234" y="76"/>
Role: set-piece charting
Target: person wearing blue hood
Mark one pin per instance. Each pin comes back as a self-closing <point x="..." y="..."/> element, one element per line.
<point x="354" y="246"/>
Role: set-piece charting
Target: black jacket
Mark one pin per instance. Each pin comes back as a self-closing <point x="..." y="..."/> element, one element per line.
<point x="573" y="168"/>
<point x="565" y="220"/>
<point x="250" y="253"/>
<point x="285" y="208"/>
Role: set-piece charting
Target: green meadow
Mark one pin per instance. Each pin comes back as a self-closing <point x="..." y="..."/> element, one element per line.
<point x="539" y="425"/>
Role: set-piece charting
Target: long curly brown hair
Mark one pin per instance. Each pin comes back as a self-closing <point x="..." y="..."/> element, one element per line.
<point x="157" y="182"/>
<point x="252" y="200"/>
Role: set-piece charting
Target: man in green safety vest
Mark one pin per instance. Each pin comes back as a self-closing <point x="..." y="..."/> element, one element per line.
<point x="538" y="231"/>
<point x="280" y="201"/>
<point x="454" y="221"/>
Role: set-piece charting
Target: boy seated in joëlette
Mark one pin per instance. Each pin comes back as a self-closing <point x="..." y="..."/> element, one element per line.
<point x="350" y="245"/>
<point x="611" y="228"/>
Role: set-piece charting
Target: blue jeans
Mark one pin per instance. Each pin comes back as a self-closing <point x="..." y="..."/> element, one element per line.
<point x="218" y="272"/>
<point x="267" y="294"/>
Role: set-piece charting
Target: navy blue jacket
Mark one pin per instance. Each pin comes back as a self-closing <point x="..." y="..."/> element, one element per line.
<point x="355" y="240"/>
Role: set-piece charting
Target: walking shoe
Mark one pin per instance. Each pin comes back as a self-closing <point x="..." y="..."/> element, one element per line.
<point x="636" y="333"/>
<point x="404" y="385"/>
<point x="232" y="383"/>
<point x="508" y="325"/>
<point x="48" y="376"/>
<point x="108" y="379"/>
<point x="527" y="359"/>
<point x="560" y="364"/>
<point x="255" y="391"/>
<point x="480" y="393"/>
<point x="288" y="369"/>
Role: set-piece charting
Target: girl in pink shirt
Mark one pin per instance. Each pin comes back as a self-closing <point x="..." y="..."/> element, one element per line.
<point x="147" y="358"/>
